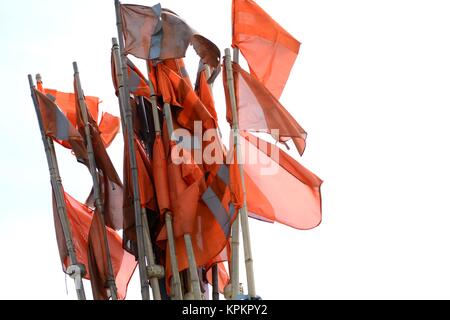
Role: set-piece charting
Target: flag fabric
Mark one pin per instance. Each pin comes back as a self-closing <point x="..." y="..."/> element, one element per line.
<point x="81" y="219"/>
<point x="58" y="127"/>
<point x="153" y="33"/>
<point x="259" y="110"/>
<point x="108" y="128"/>
<point x="67" y="103"/>
<point x="160" y="174"/>
<point x="102" y="159"/>
<point x="221" y="260"/>
<point x="137" y="83"/>
<point x="109" y="124"/>
<point x="208" y="240"/>
<point x="176" y="91"/>
<point x="210" y="224"/>
<point x="112" y="199"/>
<point x="278" y="187"/>
<point x="204" y="91"/>
<point x="179" y="67"/>
<point x="269" y="49"/>
<point x="186" y="183"/>
<point x="146" y="192"/>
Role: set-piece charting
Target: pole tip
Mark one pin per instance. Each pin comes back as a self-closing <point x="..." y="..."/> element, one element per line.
<point x="30" y="80"/>
<point x="75" y="66"/>
<point x="227" y="52"/>
<point x="38" y="77"/>
<point x="114" y="41"/>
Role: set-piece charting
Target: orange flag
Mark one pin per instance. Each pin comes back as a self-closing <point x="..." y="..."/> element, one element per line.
<point x="137" y="84"/>
<point x="146" y="191"/>
<point x="67" y="103"/>
<point x="221" y="260"/>
<point x="108" y="128"/>
<point x="109" y="124"/>
<point x="224" y="277"/>
<point x="208" y="240"/>
<point x="176" y="91"/>
<point x="102" y="159"/>
<point x="81" y="221"/>
<point x="204" y="93"/>
<point x="269" y="49"/>
<point x="160" y="175"/>
<point x="259" y="110"/>
<point x="59" y="128"/>
<point x="186" y="184"/>
<point x="278" y="187"/>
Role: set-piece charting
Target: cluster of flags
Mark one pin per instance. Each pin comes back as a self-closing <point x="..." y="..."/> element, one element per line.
<point x="175" y="208"/>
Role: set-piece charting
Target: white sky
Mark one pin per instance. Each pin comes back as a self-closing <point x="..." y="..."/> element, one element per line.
<point x="371" y="87"/>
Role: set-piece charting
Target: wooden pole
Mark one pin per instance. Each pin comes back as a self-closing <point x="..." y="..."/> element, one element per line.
<point x="243" y="211"/>
<point x="95" y="179"/>
<point x="58" y="193"/>
<point x="123" y="86"/>
<point x="195" y="281"/>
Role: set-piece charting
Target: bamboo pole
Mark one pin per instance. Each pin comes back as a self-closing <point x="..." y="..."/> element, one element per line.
<point x="214" y="269"/>
<point x="235" y="232"/>
<point x="58" y="192"/>
<point x="215" y="282"/>
<point x="176" y="287"/>
<point x="154" y="271"/>
<point x="195" y="281"/>
<point x="123" y="86"/>
<point x="95" y="180"/>
<point x="243" y="211"/>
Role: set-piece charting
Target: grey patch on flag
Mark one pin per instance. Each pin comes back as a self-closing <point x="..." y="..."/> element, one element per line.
<point x="62" y="125"/>
<point x="156" y="40"/>
<point x="215" y="205"/>
<point x="224" y="174"/>
<point x="134" y="81"/>
<point x="51" y="97"/>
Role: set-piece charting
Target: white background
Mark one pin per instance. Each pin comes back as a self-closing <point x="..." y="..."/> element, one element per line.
<point x="371" y="88"/>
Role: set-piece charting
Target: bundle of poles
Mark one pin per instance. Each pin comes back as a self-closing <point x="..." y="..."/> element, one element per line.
<point x="149" y="272"/>
<point x="180" y="222"/>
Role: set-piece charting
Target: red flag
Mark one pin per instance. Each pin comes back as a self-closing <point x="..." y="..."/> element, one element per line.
<point x="81" y="221"/>
<point x="259" y="110"/>
<point x="288" y="192"/>
<point x="269" y="49"/>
